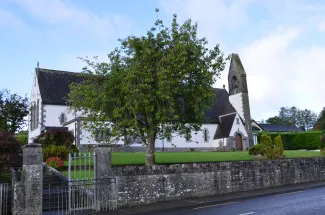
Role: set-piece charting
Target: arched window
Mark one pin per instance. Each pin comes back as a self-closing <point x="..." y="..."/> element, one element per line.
<point x="206" y="135"/>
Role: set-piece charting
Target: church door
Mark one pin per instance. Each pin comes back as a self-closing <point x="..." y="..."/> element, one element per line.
<point x="239" y="142"/>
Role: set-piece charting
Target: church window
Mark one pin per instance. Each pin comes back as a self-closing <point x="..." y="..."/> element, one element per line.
<point x="237" y="121"/>
<point x="37" y="114"/>
<point x="187" y="137"/>
<point x="33" y="117"/>
<point x="169" y="138"/>
<point x="62" y="118"/>
<point x="101" y="135"/>
<point x="206" y="135"/>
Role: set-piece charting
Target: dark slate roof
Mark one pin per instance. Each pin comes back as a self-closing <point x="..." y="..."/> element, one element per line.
<point x="54" y="85"/>
<point x="279" y="128"/>
<point x="225" y="126"/>
<point x="220" y="107"/>
<point x="54" y="88"/>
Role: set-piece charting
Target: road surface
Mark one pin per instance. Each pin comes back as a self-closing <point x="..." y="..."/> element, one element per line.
<point x="307" y="202"/>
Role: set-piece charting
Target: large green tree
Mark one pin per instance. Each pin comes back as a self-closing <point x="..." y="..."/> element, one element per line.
<point x="13" y="110"/>
<point x="151" y="86"/>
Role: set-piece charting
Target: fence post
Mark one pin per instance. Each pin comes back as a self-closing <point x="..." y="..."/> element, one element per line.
<point x="32" y="176"/>
<point x="106" y="190"/>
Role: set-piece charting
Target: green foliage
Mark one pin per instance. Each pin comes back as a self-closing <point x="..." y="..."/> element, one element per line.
<point x="22" y="137"/>
<point x="272" y="149"/>
<point x="14" y="109"/>
<point x="320" y="124"/>
<point x="56" y="137"/>
<point x="153" y="85"/>
<point x="322" y="142"/>
<point x="302" y="118"/>
<point x="297" y="140"/>
<point x="278" y="121"/>
<point x="256" y="150"/>
<point x="56" y="151"/>
<point x="10" y="147"/>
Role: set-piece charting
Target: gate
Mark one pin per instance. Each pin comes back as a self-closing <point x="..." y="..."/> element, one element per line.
<point x="81" y="197"/>
<point x="82" y="166"/>
<point x="83" y="193"/>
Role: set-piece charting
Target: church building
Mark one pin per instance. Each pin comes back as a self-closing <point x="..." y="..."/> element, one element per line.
<point x="229" y="125"/>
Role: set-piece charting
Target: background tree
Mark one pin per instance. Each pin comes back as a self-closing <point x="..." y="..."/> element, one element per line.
<point x="320" y="124"/>
<point x="153" y="85"/>
<point x="13" y="110"/>
<point x="304" y="119"/>
<point x="278" y="121"/>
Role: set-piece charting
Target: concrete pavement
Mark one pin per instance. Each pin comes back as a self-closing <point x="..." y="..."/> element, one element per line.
<point x="187" y="206"/>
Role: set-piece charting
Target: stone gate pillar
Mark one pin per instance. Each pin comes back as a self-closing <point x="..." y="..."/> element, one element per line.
<point x="106" y="182"/>
<point x="103" y="161"/>
<point x="29" y="188"/>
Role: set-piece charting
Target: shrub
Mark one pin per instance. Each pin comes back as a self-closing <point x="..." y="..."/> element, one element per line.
<point x="256" y="150"/>
<point x="10" y="147"/>
<point x="56" y="137"/>
<point x="22" y="138"/>
<point x="293" y="141"/>
<point x="192" y="149"/>
<point x="56" y="151"/>
<point x="55" y="162"/>
<point x="322" y="145"/>
<point x="272" y="149"/>
<point x="278" y="146"/>
<point x="322" y="142"/>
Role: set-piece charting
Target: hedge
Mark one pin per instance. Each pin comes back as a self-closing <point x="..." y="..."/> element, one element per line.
<point x="297" y="140"/>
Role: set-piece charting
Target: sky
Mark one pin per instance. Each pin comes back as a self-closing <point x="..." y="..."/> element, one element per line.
<point x="281" y="43"/>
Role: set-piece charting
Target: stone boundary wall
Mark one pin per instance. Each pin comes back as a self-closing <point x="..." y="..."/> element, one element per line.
<point x="139" y="185"/>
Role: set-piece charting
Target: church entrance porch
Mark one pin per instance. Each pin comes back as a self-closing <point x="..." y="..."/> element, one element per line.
<point x="239" y="142"/>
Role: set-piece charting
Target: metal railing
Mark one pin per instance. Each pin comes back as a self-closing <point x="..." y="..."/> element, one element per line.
<point x="80" y="197"/>
<point x="81" y="166"/>
<point x="4" y="199"/>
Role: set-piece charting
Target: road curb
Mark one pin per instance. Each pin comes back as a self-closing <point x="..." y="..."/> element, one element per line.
<point x="248" y="196"/>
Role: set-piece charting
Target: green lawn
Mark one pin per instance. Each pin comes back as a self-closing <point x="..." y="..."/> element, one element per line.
<point x="124" y="158"/>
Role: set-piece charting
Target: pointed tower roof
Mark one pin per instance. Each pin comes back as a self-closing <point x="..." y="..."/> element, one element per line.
<point x="236" y="67"/>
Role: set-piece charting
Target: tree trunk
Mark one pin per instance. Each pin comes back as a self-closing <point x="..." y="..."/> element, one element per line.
<point x="150" y="150"/>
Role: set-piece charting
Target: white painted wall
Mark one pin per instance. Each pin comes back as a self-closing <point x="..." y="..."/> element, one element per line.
<point x="236" y="101"/>
<point x="238" y="127"/>
<point x="53" y="112"/>
<point x="220" y="142"/>
<point x="197" y="140"/>
<point x="35" y="95"/>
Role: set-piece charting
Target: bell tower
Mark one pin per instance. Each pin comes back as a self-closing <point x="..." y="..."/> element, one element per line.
<point x="238" y="93"/>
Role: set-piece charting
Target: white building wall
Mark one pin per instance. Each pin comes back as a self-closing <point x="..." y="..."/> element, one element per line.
<point x="197" y="140"/>
<point x="53" y="112"/>
<point x="236" y="101"/>
<point x="237" y="127"/>
<point x="222" y="142"/>
<point x="35" y="95"/>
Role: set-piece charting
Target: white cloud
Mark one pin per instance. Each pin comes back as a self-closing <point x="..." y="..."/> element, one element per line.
<point x="278" y="74"/>
<point x="68" y="16"/>
<point x="212" y="15"/>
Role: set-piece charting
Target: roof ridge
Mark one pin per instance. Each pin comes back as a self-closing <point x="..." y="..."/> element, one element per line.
<point x="55" y="70"/>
